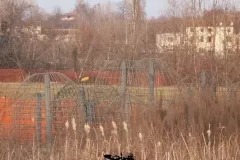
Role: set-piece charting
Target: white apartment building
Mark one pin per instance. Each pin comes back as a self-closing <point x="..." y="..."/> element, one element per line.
<point x="34" y="32"/>
<point x="222" y="39"/>
<point x="167" y="41"/>
<point x="68" y="17"/>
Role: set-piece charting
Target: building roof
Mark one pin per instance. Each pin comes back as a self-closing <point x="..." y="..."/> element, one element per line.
<point x="68" y="16"/>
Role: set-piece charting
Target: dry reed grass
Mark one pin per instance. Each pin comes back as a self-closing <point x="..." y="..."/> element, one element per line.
<point x="200" y="127"/>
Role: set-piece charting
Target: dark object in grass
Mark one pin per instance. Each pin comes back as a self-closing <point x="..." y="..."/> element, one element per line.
<point x="116" y="157"/>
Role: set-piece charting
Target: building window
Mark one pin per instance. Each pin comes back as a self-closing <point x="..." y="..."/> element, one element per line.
<point x="209" y="39"/>
<point x="202" y="29"/>
<point x="201" y="39"/>
<point x="209" y="30"/>
<point x="191" y="39"/>
<point x="191" y="29"/>
<point x="170" y="39"/>
<point x="201" y="50"/>
<point x="229" y="39"/>
<point x="229" y="30"/>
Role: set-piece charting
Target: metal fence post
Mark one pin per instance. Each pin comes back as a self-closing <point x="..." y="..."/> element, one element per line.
<point x="203" y="80"/>
<point x="39" y="118"/>
<point x="123" y="77"/>
<point x="151" y="80"/>
<point x="48" y="109"/>
<point x="88" y="108"/>
<point x="123" y="91"/>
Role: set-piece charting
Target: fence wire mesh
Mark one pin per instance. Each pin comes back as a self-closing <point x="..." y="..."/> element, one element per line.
<point x="38" y="108"/>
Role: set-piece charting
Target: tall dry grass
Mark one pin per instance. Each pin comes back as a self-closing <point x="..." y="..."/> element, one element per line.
<point x="199" y="127"/>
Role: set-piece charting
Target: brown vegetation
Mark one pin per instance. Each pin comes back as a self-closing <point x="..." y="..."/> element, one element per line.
<point x="193" y="127"/>
<point x="202" y="125"/>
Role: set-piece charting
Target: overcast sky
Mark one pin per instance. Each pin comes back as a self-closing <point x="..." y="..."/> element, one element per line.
<point x="154" y="7"/>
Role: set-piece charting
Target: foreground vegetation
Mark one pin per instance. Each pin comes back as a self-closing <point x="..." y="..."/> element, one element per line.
<point x="197" y="127"/>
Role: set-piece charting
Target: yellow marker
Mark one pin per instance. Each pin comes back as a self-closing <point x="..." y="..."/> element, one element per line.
<point x="84" y="79"/>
